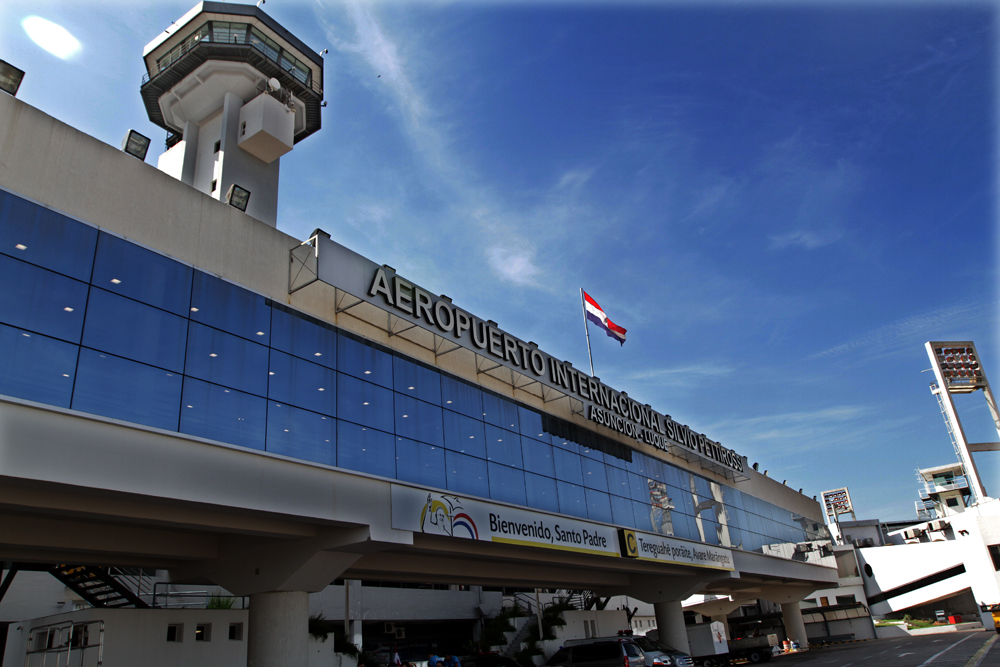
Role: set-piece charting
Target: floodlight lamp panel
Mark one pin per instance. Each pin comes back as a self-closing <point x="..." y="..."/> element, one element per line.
<point x="136" y="145"/>
<point x="10" y="78"/>
<point x="238" y="197"/>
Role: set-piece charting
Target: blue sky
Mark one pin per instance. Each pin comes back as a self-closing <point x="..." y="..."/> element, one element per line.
<point x="780" y="202"/>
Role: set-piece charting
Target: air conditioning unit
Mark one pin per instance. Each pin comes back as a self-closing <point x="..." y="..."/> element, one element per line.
<point x="868" y="542"/>
<point x="400" y="633"/>
<point x="390" y="628"/>
<point x="912" y="533"/>
<point x="939" y="524"/>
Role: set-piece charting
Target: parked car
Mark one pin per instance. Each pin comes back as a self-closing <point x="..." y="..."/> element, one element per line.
<point x="661" y="654"/>
<point x="657" y="653"/>
<point x="616" y="652"/>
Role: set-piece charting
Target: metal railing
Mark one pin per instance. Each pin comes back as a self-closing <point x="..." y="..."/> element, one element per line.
<point x="197" y="40"/>
<point x="66" y="644"/>
<point x="193" y="599"/>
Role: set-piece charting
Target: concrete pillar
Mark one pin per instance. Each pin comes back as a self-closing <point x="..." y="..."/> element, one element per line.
<point x="670" y="624"/>
<point x="190" y="152"/>
<point x="791" y="615"/>
<point x="278" y="630"/>
<point x="722" y="618"/>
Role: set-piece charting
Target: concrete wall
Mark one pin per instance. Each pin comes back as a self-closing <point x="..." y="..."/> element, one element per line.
<point x="139" y="637"/>
<point x="34" y="594"/>
<point x="206" y="159"/>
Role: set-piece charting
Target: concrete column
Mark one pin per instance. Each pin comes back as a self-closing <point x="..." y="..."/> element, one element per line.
<point x="278" y="630"/>
<point x="670" y="624"/>
<point x="791" y="615"/>
<point x="722" y="618"/>
<point x="191" y="131"/>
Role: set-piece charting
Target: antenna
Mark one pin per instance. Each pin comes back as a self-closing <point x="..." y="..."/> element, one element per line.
<point x="272" y="83"/>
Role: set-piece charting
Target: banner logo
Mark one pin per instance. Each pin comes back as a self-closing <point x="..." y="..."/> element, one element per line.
<point x="444" y="515"/>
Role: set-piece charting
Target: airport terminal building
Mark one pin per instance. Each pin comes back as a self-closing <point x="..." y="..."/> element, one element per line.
<point x="185" y="387"/>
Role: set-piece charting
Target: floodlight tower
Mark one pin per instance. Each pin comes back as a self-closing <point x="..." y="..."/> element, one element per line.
<point x="957" y="370"/>
<point x="235" y="91"/>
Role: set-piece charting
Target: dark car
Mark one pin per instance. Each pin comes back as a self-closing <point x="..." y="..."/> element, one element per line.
<point x="610" y="653"/>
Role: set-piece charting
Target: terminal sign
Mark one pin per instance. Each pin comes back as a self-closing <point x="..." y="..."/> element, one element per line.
<point x="435" y="513"/>
<point x="608" y="407"/>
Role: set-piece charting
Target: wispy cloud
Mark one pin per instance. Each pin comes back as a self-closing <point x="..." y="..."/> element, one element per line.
<point x="513" y="264"/>
<point x="682" y="374"/>
<point x="804" y="238"/>
<point x="910" y="331"/>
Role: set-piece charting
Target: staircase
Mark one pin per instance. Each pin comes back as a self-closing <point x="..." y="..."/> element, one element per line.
<point x="97" y="586"/>
<point x="514" y="645"/>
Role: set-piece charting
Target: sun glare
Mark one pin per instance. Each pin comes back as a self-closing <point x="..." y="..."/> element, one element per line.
<point x="52" y="37"/>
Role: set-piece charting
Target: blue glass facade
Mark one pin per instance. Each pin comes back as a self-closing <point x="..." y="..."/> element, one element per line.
<point x="94" y="323"/>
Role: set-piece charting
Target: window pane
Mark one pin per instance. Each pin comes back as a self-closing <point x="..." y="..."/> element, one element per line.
<point x="499" y="412"/>
<point x="300" y="337"/>
<point x="462" y="397"/>
<point x="568" y="468"/>
<point x="133" y="330"/>
<point x="572" y="499"/>
<point x="225" y="359"/>
<point x="503" y="447"/>
<point x="531" y="425"/>
<point x="590" y="453"/>
<point x="364" y="403"/>
<point x="143" y="275"/>
<point x="598" y="506"/>
<point x="121" y="389"/>
<point x="594" y="476"/>
<point x="38" y="235"/>
<point x="217" y="413"/>
<point x="420" y="463"/>
<point x="642" y="512"/>
<point x="365" y="450"/>
<point x="464" y="434"/>
<point x="303" y="384"/>
<point x="541" y="492"/>
<point x="231" y="308"/>
<point x="638" y="464"/>
<point x="506" y="484"/>
<point x="684" y="526"/>
<point x="621" y="512"/>
<point x="301" y="434"/>
<point x="415" y="380"/>
<point x="41" y="301"/>
<point x="537" y="457"/>
<point x="640" y="488"/>
<point x="418" y="421"/>
<point x="614" y="461"/>
<point x="36" y="367"/>
<point x="466" y="475"/>
<point x="618" y="481"/>
<point x="364" y="361"/>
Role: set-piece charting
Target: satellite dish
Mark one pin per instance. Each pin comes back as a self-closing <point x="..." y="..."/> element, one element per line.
<point x="273" y="84"/>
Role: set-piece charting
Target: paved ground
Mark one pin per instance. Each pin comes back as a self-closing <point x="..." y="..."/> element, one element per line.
<point x="978" y="648"/>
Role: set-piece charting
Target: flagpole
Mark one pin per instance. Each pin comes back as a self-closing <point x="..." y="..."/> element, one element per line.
<point x="587" y="331"/>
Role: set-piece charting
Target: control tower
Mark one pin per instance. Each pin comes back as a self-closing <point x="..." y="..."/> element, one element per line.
<point x="235" y="91"/>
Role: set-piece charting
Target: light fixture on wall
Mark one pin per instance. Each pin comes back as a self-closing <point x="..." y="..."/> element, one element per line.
<point x="135" y="145"/>
<point x="238" y="197"/>
<point x="10" y="77"/>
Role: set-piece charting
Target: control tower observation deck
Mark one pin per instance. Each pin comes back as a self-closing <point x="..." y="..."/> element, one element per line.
<point x="235" y="91"/>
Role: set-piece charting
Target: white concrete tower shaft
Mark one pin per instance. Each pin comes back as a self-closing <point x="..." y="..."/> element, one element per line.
<point x="235" y="91"/>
